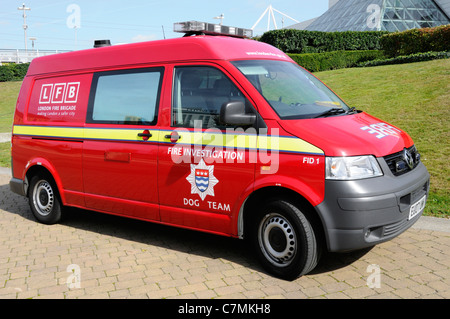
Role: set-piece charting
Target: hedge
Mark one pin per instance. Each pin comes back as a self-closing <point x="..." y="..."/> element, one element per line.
<point x="416" y="41"/>
<point x="316" y="62"/>
<point x="418" y="57"/>
<point x="6" y="74"/>
<point x="13" y="71"/>
<point x="303" y="41"/>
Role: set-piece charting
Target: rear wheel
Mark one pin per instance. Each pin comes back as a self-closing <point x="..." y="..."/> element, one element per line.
<point x="44" y="200"/>
<point x="284" y="240"/>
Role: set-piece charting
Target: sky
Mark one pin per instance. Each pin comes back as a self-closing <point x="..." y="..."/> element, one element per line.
<point x="74" y="25"/>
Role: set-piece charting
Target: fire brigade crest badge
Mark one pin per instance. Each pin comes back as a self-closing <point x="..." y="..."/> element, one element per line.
<point x="202" y="179"/>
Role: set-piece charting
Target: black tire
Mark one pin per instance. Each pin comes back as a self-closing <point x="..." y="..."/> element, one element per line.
<point x="44" y="200"/>
<point x="284" y="240"/>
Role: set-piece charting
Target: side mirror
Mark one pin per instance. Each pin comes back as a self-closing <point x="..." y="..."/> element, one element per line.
<point x="233" y="113"/>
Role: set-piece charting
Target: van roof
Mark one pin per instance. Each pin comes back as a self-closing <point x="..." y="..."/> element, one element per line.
<point x="179" y="49"/>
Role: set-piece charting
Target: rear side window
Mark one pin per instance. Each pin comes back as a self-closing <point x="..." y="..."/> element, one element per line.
<point x="125" y="97"/>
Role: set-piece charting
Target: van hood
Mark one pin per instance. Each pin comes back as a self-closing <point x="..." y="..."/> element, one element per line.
<point x="350" y="135"/>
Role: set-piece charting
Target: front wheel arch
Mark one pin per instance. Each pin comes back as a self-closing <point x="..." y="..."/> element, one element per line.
<point x="268" y="194"/>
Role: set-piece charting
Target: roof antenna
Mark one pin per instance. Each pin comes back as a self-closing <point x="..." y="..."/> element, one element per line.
<point x="164" y="34"/>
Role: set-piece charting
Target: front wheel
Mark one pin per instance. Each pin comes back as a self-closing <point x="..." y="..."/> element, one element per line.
<point x="44" y="200"/>
<point x="284" y="240"/>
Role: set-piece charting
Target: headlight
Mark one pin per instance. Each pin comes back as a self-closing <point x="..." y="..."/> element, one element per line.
<point x="349" y="168"/>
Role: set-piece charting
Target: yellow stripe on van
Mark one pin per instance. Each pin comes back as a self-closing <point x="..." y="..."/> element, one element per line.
<point x="49" y="131"/>
<point x="118" y="134"/>
<point x="210" y="139"/>
<point x="290" y="144"/>
<point x="83" y="133"/>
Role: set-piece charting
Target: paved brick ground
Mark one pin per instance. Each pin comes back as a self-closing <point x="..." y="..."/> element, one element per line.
<point x="121" y="258"/>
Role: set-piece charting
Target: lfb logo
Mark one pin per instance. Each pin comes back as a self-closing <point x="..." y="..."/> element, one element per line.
<point x="59" y="93"/>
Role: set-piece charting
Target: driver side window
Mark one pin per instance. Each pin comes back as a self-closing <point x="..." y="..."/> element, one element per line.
<point x="198" y="95"/>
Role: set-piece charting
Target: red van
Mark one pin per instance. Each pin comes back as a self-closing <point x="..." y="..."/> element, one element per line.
<point x="217" y="134"/>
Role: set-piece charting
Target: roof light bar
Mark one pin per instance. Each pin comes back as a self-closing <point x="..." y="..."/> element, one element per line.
<point x="198" y="28"/>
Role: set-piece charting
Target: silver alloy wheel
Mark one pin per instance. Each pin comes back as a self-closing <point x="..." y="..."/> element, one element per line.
<point x="277" y="239"/>
<point x="43" y="197"/>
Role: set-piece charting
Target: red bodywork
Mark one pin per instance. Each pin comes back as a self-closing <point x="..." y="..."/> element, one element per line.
<point x="138" y="178"/>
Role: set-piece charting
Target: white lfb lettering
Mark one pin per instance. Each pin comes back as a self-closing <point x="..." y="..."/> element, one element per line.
<point x="72" y="92"/>
<point x="45" y="94"/>
<point x="58" y="93"/>
<point x="46" y="91"/>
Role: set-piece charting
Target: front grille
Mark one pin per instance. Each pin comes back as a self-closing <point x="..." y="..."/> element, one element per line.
<point x="395" y="228"/>
<point x="404" y="161"/>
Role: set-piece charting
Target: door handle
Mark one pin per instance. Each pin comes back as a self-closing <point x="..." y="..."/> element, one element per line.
<point x="145" y="135"/>
<point x="174" y="136"/>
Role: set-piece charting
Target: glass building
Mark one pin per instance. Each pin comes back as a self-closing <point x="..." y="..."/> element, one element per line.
<point x="376" y="15"/>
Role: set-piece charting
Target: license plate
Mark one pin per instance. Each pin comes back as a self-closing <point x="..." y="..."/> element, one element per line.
<point x="417" y="207"/>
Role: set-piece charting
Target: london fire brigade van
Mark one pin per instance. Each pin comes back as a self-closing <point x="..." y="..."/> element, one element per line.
<point x="219" y="134"/>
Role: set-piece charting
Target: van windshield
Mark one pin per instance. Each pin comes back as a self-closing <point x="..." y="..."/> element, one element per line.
<point x="291" y="91"/>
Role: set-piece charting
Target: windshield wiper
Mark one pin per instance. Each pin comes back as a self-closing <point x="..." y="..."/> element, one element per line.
<point x="337" y="110"/>
<point x="352" y="110"/>
<point x="332" y="111"/>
